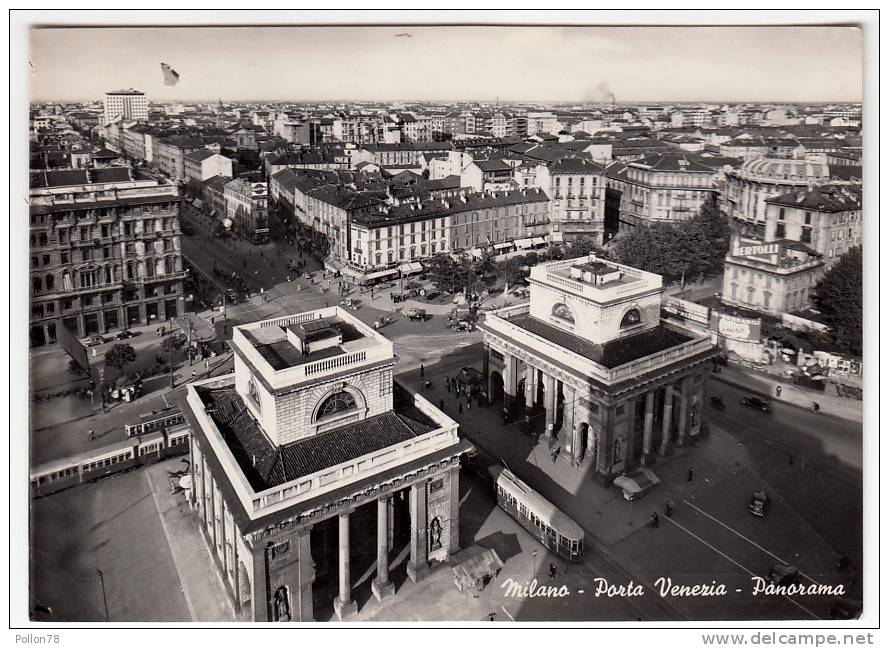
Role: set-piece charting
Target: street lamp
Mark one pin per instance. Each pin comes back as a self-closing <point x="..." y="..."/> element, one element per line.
<point x="104" y="598"/>
<point x="170" y="340"/>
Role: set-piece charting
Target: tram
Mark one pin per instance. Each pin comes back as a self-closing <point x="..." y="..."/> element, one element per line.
<point x="552" y="528"/>
<point x="95" y="464"/>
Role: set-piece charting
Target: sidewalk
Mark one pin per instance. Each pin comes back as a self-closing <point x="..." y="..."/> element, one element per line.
<point x="199" y="580"/>
<point x="765" y="385"/>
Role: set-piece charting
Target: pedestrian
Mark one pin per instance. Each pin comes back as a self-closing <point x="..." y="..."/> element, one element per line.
<point x="468" y="402"/>
<point x="691" y="474"/>
<point x="778" y="391"/>
<point x="669" y="509"/>
<point x="448" y="384"/>
<point x="194" y="375"/>
<point x="552" y="571"/>
<point x="655" y="520"/>
<point x="422" y="370"/>
<point x="441" y="404"/>
<point x="460" y="407"/>
<point x="816" y="407"/>
<point x="554" y="454"/>
<point x="92" y="434"/>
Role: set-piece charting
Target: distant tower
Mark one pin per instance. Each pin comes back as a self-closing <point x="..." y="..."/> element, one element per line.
<point x="220" y="114"/>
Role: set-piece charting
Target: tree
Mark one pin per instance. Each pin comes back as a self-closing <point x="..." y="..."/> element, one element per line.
<point x="582" y="246"/>
<point x="680" y="251"/>
<point x="120" y="355"/>
<point x="450" y="275"/>
<point x="713" y="225"/>
<point x="838" y="295"/>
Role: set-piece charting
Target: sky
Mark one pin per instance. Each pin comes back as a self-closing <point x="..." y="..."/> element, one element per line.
<point x="716" y="64"/>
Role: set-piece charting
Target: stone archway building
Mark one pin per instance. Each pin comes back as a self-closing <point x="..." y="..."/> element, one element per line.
<point x="618" y="386"/>
<point x="308" y="429"/>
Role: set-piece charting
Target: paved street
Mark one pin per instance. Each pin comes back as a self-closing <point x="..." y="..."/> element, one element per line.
<point x="112" y="525"/>
<point x="816" y="513"/>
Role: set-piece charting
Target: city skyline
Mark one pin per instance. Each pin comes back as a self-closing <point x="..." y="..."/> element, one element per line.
<point x="715" y="61"/>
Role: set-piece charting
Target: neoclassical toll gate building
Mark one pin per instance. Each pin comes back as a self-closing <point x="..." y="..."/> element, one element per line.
<point x="311" y="467"/>
<point x="615" y="384"/>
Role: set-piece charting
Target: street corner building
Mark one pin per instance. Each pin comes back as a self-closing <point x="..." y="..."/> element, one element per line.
<point x="617" y="384"/>
<point x="311" y="466"/>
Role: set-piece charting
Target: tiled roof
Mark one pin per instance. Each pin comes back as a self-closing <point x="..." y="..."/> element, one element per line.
<point x="73" y="177"/>
<point x="437" y="208"/>
<point x="492" y="165"/>
<point x="827" y="198"/>
<point x="667" y="162"/>
<point x="576" y="165"/>
<point x="199" y="155"/>
<point x="266" y="466"/>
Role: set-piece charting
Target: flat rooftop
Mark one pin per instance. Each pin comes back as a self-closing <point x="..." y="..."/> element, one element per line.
<point x="273" y="344"/>
<point x="597" y="269"/>
<point x="611" y="354"/>
<point x="265" y="465"/>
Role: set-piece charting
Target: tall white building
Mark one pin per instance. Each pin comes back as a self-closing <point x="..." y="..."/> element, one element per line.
<point x="126" y="104"/>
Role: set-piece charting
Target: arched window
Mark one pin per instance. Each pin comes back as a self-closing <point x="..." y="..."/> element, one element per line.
<point x="631" y="318"/>
<point x="37" y="284"/>
<point x="336" y="403"/>
<point x="563" y="312"/>
<point x="253" y="390"/>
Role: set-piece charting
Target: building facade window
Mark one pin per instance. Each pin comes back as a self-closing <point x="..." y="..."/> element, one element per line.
<point x="336" y="403"/>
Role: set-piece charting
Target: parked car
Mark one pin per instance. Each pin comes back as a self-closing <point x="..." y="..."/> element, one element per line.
<point x="759" y="504"/>
<point x="126" y="334"/>
<point x="232" y="295"/>
<point x="432" y="294"/>
<point x="416" y="314"/>
<point x="758" y="403"/>
<point x="95" y="340"/>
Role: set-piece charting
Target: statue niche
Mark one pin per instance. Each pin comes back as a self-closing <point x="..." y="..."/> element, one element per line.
<point x="282" y="604"/>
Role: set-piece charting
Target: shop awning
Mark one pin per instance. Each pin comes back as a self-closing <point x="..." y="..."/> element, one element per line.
<point x="476" y="253"/>
<point x="524" y="244"/>
<point x="413" y="267"/>
<point x="502" y="246"/>
<point x="637" y="482"/>
<point x="538" y="240"/>
<point x="381" y="273"/>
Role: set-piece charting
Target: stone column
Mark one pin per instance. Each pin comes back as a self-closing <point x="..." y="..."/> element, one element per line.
<point x="344" y="605"/>
<point x="647" y="456"/>
<point x="549" y="402"/>
<point x="668" y="420"/>
<point x="454" y="531"/>
<point x="631" y="430"/>
<point x="683" y="411"/>
<point x="302" y="597"/>
<point x="508" y="382"/>
<point x="261" y="601"/>
<point x="381" y="586"/>
<point x="529" y="386"/>
<point x="568" y="418"/>
<point x="417" y="563"/>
